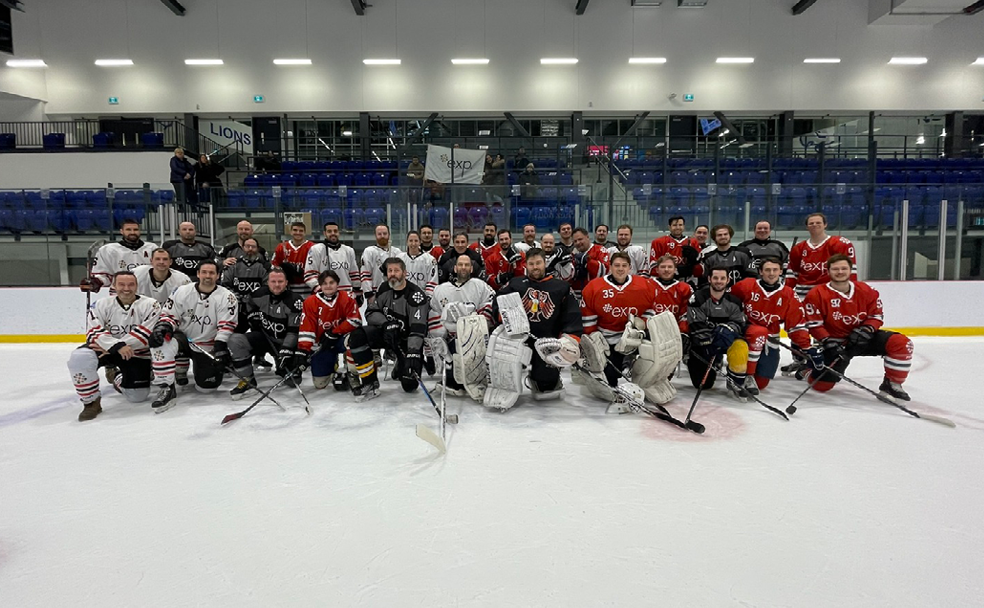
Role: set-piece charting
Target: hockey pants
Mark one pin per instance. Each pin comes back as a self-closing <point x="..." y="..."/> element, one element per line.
<point x="208" y="375"/>
<point x="84" y="364"/>
<point x="894" y="347"/>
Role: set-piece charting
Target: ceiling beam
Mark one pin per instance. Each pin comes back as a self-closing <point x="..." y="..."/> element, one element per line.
<point x="800" y="7"/>
<point x="360" y="7"/>
<point x="175" y="7"/>
<point x="515" y="123"/>
<point x="582" y="5"/>
<point x="415" y="136"/>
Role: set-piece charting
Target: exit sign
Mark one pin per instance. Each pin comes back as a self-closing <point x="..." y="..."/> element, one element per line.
<point x="114" y="101"/>
<point x="688" y="96"/>
<point x="257" y="99"/>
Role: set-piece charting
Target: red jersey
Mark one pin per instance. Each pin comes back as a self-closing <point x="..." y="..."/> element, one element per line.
<point x="482" y="248"/>
<point x="808" y="263"/>
<point x="668" y="245"/>
<point x="770" y="308"/>
<point x="606" y="305"/>
<point x="832" y="314"/>
<point x="338" y="315"/>
<point x="436" y="251"/>
<point x="589" y="265"/>
<point x="497" y="263"/>
<point x="674" y="298"/>
<point x="292" y="260"/>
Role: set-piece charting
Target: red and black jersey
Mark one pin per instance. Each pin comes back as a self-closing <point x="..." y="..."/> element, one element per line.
<point x="832" y="314"/>
<point x="674" y="297"/>
<point x="321" y="315"/>
<point x="498" y="264"/>
<point x="588" y="265"/>
<point x="292" y="260"/>
<point x="483" y="248"/>
<point x="808" y="263"/>
<point x="550" y="305"/>
<point x="684" y="250"/>
<point x="436" y="251"/>
<point x="606" y="305"/>
<point x="772" y="308"/>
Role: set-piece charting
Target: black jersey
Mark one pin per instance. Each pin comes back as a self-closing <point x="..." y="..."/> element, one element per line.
<point x="767" y="248"/>
<point x="445" y="266"/>
<point x="705" y="313"/>
<point x="737" y="261"/>
<point x="235" y="250"/>
<point x="279" y="316"/>
<point x="186" y="258"/>
<point x="410" y="306"/>
<point x="245" y="277"/>
<point x="550" y="305"/>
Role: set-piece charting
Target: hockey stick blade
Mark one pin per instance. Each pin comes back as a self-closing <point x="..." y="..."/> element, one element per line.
<point x="232" y="417"/>
<point x="937" y="419"/>
<point x="432" y="438"/>
<point x="690" y="425"/>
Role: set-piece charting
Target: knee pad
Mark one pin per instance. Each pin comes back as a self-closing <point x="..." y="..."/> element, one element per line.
<point x="506" y="356"/>
<point x="408" y="385"/>
<point x="823" y="387"/>
<point x="321" y="382"/>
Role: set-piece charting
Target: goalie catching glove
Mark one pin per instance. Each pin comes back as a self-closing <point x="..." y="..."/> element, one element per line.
<point x="559" y="352"/>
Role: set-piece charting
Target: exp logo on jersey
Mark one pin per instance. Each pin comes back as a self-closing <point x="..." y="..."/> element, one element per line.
<point x="849" y="320"/>
<point x="538" y="304"/>
<point x="620" y="311"/>
<point x="201" y="322"/>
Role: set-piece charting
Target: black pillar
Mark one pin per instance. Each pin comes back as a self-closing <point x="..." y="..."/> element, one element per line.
<point x="955" y="144"/>
<point x="365" y="137"/>
<point x="785" y="147"/>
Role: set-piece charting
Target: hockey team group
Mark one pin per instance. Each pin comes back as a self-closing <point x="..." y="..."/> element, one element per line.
<point x="494" y="316"/>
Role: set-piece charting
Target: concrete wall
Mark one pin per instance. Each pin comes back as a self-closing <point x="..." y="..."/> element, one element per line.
<point x="83" y="169"/>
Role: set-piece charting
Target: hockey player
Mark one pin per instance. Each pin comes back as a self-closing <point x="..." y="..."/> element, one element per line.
<point x="118" y="330"/>
<point x="637" y="257"/>
<point x="445" y="266"/>
<point x="373" y="274"/>
<point x="245" y="277"/>
<point x="197" y="321"/>
<point x="541" y="327"/>
<point x="767" y="302"/>
<point x="328" y="318"/>
<point x="443" y="241"/>
<point x="601" y="236"/>
<point x="736" y="261"/>
<point x="397" y="321"/>
<point x="421" y="266"/>
<point x="590" y="261"/>
<point x="846" y="317"/>
<point x="504" y="262"/>
<point x="685" y="250"/>
<point x="464" y="302"/>
<point x="291" y="257"/>
<point x="158" y="280"/>
<point x="701" y="235"/>
<point x="427" y="242"/>
<point x="560" y="264"/>
<point x="529" y="239"/>
<point x="716" y="323"/>
<point x="488" y="241"/>
<point x="187" y="252"/>
<point x="672" y="294"/>
<point x="566" y="232"/>
<point x="111" y="258"/>
<point x="232" y="252"/>
<point x="808" y="259"/>
<point x="273" y="314"/>
<point x="331" y="254"/>
<point x="764" y="246"/>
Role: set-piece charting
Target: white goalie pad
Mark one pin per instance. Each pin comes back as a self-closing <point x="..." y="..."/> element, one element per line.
<point x="454" y="311"/>
<point x="514" y="317"/>
<point x="661" y="392"/>
<point x="470" y="368"/>
<point x="594" y="351"/>
<point x="559" y="352"/>
<point x="506" y="356"/>
<point x="658" y="357"/>
<point x="436" y="347"/>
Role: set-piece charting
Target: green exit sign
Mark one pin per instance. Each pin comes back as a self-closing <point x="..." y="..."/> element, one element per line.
<point x="688" y="96"/>
<point x="257" y="99"/>
<point x="114" y="101"/>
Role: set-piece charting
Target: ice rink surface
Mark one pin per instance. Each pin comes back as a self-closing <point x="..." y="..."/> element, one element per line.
<point x="850" y="503"/>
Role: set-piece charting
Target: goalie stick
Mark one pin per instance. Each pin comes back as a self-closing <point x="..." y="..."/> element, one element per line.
<point x="879" y="396"/>
<point x="423" y="431"/>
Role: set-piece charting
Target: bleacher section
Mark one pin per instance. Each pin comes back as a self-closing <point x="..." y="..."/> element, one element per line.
<point x="74" y="211"/>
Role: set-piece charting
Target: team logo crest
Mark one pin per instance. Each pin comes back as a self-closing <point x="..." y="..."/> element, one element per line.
<point x="417" y="298"/>
<point x="538" y="304"/>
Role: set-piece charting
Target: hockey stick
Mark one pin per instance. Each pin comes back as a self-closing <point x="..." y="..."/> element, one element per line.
<point x="423" y="431"/>
<point x="692" y="425"/>
<point x="236" y="374"/>
<point x="307" y="404"/>
<point x="700" y="388"/>
<point x="453" y="418"/>
<point x="883" y="398"/>
<point x="90" y="260"/>
<point x="775" y="411"/>
<point x="809" y="384"/>
<point x="236" y="416"/>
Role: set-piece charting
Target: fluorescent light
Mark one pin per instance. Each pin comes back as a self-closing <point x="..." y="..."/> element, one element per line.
<point x="647" y="59"/>
<point x="907" y="60"/>
<point x="920" y="140"/>
<point x="292" y="62"/>
<point x="347" y="133"/>
<point x="980" y="61"/>
<point x="822" y="60"/>
<point x="558" y="61"/>
<point x="735" y="60"/>
<point x="26" y="63"/>
<point x="203" y="62"/>
<point x="470" y="61"/>
<point x="113" y="62"/>
<point x="381" y="61"/>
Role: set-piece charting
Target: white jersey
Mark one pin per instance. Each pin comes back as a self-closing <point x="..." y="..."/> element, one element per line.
<point x="147" y="286"/>
<point x="373" y="273"/>
<point x="342" y="261"/>
<point x="474" y="291"/>
<point x="524" y="247"/>
<point x="110" y="323"/>
<point x="638" y="258"/>
<point x="114" y="257"/>
<point x="421" y="270"/>
<point x="204" y="318"/>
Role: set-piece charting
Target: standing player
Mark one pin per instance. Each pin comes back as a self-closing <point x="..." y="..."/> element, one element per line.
<point x="808" y="259"/>
<point x="767" y="302"/>
<point x="764" y="246"/>
<point x="118" y="330"/>
<point x="246" y="277"/>
<point x="421" y="266"/>
<point x="158" y="281"/>
<point x="373" y="273"/>
<point x="427" y="244"/>
<point x="488" y="241"/>
<point x="701" y="235"/>
<point x="445" y="265"/>
<point x="111" y="258"/>
<point x="204" y="315"/>
<point x="331" y="254"/>
<point x="736" y="261"/>
<point x="231" y="252"/>
<point x="684" y="250"/>
<point x="566" y="232"/>
<point x="559" y="261"/>
<point x="187" y="252"/>
<point x="590" y="262"/>
<point x="601" y="236"/>
<point x="716" y="323"/>
<point x="672" y="295"/>
<point x="329" y="317"/>
<point x="291" y="257"/>
<point x="846" y="316"/>
<point x="529" y="239"/>
<point x="504" y="262"/>
<point x="637" y="257"/>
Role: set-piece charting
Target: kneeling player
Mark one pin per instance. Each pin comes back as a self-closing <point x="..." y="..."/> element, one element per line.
<point x="329" y="316"/>
<point x="846" y="317"/>
<point x="716" y="323"/>
<point x="117" y="336"/>
<point x="537" y="311"/>
<point x="196" y="321"/>
<point x="767" y="303"/>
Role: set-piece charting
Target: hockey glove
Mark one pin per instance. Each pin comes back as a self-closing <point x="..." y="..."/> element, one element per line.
<point x="559" y="352"/>
<point x="161" y="334"/>
<point x="392" y="331"/>
<point x="832" y="350"/>
<point x="359" y="299"/>
<point x="581" y="266"/>
<point x="412" y="364"/>
<point x="724" y="335"/>
<point x="329" y="342"/>
<point x="90" y="284"/>
<point x="502" y="278"/>
<point x="814" y="357"/>
<point x="221" y="354"/>
<point x="858" y="339"/>
<point x="702" y="336"/>
<point x="300" y="361"/>
<point x="513" y="257"/>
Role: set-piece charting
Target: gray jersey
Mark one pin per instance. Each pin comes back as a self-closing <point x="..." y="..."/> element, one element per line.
<point x="410" y="306"/>
<point x="186" y="258"/>
<point x="160" y="291"/>
<point x="245" y="277"/>
<point x="767" y="248"/>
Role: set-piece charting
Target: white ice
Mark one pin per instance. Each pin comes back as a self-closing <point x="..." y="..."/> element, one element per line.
<point x="850" y="503"/>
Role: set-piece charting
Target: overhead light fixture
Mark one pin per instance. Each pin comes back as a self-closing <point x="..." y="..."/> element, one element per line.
<point x="691" y="3"/>
<point x="735" y="60"/>
<point x="646" y="3"/>
<point x="647" y="60"/>
<point x="292" y="62"/>
<point x="822" y="60"/>
<point x="558" y="61"/>
<point x="203" y="62"/>
<point x="907" y="60"/>
<point x="113" y="62"/>
<point x="26" y="63"/>
<point x="381" y="61"/>
<point x="346" y="133"/>
<point x="980" y="61"/>
<point x="470" y="61"/>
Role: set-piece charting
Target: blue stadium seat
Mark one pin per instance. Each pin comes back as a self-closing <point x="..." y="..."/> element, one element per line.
<point x="543" y="217"/>
<point x="439" y="218"/>
<point x="351" y="218"/>
<point x="461" y="221"/>
<point x="520" y="216"/>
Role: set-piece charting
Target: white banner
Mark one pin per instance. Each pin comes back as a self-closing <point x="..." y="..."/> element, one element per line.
<point x="227" y="132"/>
<point x="466" y="166"/>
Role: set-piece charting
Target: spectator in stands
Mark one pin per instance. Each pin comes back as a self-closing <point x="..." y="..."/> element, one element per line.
<point x="229" y="253"/>
<point x="487" y="171"/>
<point x="529" y="180"/>
<point x="208" y="180"/>
<point x="415" y="173"/>
<point x="520" y="162"/>
<point x="182" y="177"/>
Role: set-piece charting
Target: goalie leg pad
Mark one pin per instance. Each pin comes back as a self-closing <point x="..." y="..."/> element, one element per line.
<point x="506" y="357"/>
<point x="661" y="353"/>
<point x="469" y="365"/>
<point x="594" y="350"/>
<point x="738" y="357"/>
<point x="661" y="392"/>
<point x="596" y="386"/>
